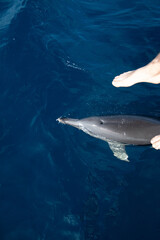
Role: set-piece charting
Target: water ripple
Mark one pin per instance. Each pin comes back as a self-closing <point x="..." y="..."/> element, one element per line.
<point x="9" y="10"/>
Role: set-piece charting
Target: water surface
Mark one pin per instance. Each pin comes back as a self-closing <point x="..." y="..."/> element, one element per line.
<point x="59" y="58"/>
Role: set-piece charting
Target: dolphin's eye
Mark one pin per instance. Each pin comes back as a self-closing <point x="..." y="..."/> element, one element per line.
<point x="101" y="122"/>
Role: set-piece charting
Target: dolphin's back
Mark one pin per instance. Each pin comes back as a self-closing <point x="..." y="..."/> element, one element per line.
<point x="135" y="130"/>
<point x="128" y="129"/>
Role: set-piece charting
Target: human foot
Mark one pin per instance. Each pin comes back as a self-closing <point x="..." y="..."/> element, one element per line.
<point x="126" y="79"/>
<point x="149" y="73"/>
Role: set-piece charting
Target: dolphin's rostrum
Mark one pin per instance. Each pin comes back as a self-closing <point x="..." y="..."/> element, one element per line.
<point x="118" y="130"/>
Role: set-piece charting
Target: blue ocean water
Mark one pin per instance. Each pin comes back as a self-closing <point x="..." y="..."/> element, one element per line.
<point x="58" y="58"/>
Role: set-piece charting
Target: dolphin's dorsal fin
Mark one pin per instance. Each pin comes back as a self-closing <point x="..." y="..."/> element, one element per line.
<point x="118" y="150"/>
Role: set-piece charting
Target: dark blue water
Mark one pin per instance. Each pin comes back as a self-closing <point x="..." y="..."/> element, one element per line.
<point x="58" y="58"/>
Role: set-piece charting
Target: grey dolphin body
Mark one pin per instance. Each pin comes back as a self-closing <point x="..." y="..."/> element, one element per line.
<point x="118" y="130"/>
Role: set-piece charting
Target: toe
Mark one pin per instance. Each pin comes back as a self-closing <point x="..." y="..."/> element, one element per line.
<point x="156" y="142"/>
<point x="115" y="83"/>
<point x="156" y="145"/>
<point x="155" y="139"/>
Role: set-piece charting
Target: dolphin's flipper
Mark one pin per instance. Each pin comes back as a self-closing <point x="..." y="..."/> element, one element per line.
<point x="118" y="150"/>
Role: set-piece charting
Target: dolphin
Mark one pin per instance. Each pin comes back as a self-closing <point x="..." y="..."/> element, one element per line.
<point x="118" y="131"/>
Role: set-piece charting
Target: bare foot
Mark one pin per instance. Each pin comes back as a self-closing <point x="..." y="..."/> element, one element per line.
<point x="149" y="73"/>
<point x="156" y="142"/>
